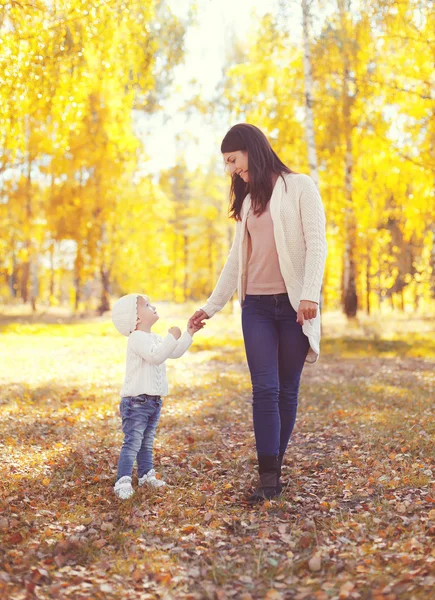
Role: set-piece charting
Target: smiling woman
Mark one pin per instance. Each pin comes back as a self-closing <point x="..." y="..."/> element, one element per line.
<point x="256" y="174"/>
<point x="276" y="263"/>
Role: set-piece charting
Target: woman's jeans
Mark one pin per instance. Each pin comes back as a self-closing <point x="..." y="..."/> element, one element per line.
<point x="276" y="348"/>
<point x="140" y="417"/>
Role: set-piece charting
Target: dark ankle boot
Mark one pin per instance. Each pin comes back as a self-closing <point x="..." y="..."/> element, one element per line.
<point x="268" y="468"/>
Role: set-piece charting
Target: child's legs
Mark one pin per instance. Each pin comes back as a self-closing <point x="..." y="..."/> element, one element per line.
<point x="145" y="454"/>
<point x="135" y="415"/>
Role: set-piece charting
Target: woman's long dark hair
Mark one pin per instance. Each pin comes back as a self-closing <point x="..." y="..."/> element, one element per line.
<point x="262" y="163"/>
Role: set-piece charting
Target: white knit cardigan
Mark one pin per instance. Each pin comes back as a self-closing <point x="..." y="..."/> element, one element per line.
<point x="299" y="229"/>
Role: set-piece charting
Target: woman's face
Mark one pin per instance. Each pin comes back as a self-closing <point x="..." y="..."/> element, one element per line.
<point x="237" y="163"/>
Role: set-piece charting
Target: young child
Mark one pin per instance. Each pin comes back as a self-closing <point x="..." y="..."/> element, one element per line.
<point x="144" y="385"/>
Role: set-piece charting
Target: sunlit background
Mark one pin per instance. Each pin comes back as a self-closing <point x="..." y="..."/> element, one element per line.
<point x="112" y="113"/>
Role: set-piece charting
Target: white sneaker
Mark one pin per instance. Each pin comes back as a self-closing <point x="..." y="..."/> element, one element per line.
<point x="151" y="479"/>
<point x="123" y="488"/>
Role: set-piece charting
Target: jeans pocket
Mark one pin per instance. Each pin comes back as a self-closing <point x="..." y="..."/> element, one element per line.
<point x="249" y="299"/>
<point x="124" y="406"/>
<point x="139" y="400"/>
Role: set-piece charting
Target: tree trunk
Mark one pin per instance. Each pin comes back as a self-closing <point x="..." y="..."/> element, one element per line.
<point x="175" y="263"/>
<point x="368" y="286"/>
<point x="25" y="273"/>
<point x="52" y="274"/>
<point x="432" y="259"/>
<point x="380" y="297"/>
<point x="77" y="286"/>
<point x="308" y="87"/>
<point x="210" y="254"/>
<point x="350" y="299"/>
<point x="105" y="291"/>
<point x="78" y="266"/>
<point x="186" y="266"/>
<point x="105" y="269"/>
<point x="309" y="103"/>
<point x="34" y="281"/>
<point x="12" y="279"/>
<point x="432" y="226"/>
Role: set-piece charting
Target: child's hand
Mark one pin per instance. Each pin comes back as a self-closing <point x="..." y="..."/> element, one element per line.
<point x="192" y="329"/>
<point x="175" y="331"/>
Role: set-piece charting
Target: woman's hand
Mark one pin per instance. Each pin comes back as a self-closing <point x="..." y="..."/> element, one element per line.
<point x="198" y="318"/>
<point x="307" y="310"/>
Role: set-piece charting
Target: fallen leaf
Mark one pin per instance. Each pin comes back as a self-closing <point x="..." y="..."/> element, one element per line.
<point x="273" y="595"/>
<point x="315" y="562"/>
<point x="345" y="590"/>
<point x="305" y="541"/>
<point x="137" y="575"/>
<point x="15" y="538"/>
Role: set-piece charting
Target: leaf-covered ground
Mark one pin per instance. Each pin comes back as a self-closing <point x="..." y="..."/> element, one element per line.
<point x="356" y="519"/>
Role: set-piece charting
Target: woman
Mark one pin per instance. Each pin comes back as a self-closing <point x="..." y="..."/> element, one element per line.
<point x="276" y="263"/>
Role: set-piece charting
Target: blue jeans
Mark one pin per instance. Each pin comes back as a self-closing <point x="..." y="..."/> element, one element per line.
<point x="140" y="417"/>
<point x="276" y="348"/>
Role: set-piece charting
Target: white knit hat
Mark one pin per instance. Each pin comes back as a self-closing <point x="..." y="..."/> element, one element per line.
<point x="124" y="314"/>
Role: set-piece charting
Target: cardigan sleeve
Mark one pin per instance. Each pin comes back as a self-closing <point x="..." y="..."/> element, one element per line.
<point x="183" y="344"/>
<point x="227" y="282"/>
<point x="152" y="351"/>
<point x="314" y="231"/>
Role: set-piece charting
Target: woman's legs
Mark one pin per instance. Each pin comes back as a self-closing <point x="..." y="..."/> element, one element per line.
<point x="276" y="348"/>
<point x="292" y="351"/>
<point x="261" y="337"/>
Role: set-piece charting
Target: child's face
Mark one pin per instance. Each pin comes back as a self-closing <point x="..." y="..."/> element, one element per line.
<point x="146" y="313"/>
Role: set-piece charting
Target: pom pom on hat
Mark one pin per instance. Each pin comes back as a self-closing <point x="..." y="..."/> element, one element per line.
<point x="124" y="314"/>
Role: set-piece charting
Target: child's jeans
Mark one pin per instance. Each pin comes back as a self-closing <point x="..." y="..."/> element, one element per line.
<point x="140" y="417"/>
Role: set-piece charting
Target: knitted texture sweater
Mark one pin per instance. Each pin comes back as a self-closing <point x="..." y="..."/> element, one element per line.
<point x="299" y="229"/>
<point x="145" y="371"/>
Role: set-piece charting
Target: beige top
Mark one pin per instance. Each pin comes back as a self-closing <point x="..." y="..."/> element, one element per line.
<point x="264" y="274"/>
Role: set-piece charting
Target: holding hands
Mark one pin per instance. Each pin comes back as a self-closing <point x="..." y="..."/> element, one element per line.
<point x="193" y="325"/>
<point x="307" y="310"/>
<point x="196" y="321"/>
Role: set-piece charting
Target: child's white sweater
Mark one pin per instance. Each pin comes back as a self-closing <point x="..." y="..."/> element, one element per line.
<point x="145" y="371"/>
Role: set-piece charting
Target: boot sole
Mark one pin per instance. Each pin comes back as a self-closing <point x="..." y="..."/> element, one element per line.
<point x="258" y="497"/>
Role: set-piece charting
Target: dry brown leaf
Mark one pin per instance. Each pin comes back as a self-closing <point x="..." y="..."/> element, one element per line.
<point x="273" y="595"/>
<point x="346" y="589"/>
<point x="15" y="538"/>
<point x="315" y="562"/>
